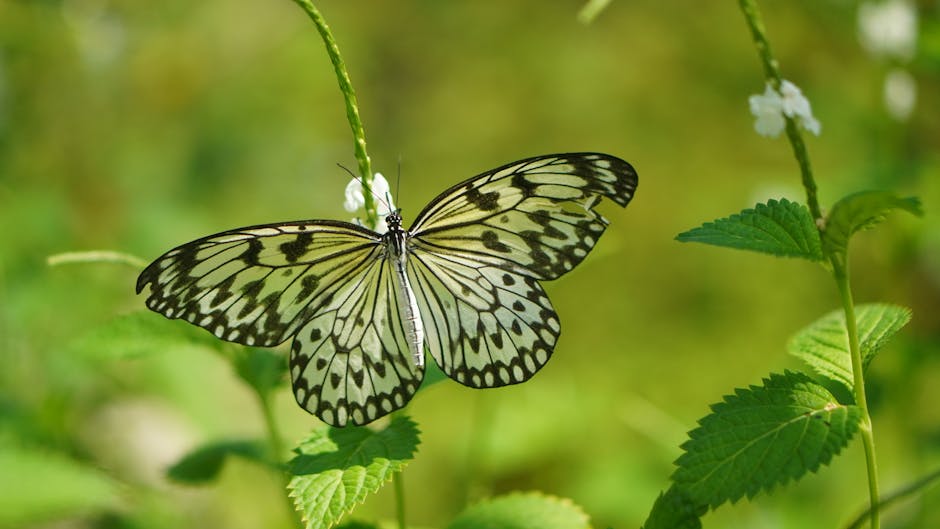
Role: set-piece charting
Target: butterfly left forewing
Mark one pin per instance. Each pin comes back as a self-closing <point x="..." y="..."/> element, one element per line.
<point x="257" y="285"/>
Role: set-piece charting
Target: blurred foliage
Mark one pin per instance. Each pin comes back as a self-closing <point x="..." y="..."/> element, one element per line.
<point x="136" y="127"/>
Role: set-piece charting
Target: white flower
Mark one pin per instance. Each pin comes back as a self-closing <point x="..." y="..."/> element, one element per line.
<point x="354" y="198"/>
<point x="900" y="94"/>
<point x="888" y="28"/>
<point x="771" y="107"/>
<point x="768" y="109"/>
<point x="795" y="105"/>
<point x="380" y="192"/>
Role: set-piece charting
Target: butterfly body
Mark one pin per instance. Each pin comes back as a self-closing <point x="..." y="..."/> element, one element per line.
<point x="362" y="309"/>
<point x="396" y="242"/>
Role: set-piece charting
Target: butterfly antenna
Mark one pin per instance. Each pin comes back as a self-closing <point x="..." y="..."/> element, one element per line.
<point x="398" y="181"/>
<point x="355" y="176"/>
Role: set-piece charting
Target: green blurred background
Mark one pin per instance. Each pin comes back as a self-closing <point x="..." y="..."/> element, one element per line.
<point x="137" y="126"/>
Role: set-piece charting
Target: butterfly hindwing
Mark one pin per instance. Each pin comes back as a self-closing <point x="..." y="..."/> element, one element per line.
<point x="350" y="363"/>
<point x="486" y="326"/>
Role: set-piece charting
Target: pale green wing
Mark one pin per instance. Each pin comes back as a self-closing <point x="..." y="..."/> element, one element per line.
<point x="536" y="215"/>
<point x="351" y="363"/>
<point x="478" y="250"/>
<point x="258" y="285"/>
<point x="327" y="283"/>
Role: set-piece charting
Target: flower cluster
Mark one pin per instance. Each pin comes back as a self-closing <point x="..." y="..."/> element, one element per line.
<point x="382" y="193"/>
<point x="773" y="107"/>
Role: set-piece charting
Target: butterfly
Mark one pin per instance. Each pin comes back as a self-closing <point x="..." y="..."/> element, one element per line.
<point x="364" y="308"/>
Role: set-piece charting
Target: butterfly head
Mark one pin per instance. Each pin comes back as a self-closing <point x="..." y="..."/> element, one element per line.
<point x="393" y="220"/>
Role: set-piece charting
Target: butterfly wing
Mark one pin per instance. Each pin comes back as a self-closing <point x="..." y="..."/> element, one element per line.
<point x="478" y="250"/>
<point x="257" y="285"/>
<point x="350" y="363"/>
<point x="535" y="216"/>
<point x="325" y="283"/>
<point x="486" y="326"/>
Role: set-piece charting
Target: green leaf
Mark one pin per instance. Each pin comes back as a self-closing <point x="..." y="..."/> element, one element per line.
<point x="522" y="510"/>
<point x="262" y="369"/>
<point x="39" y="486"/>
<point x="336" y="468"/>
<point x="824" y="344"/>
<point x="761" y="437"/>
<point x="781" y="228"/>
<point x="203" y="464"/>
<point x="140" y="334"/>
<point x="861" y="211"/>
<point x="675" y="510"/>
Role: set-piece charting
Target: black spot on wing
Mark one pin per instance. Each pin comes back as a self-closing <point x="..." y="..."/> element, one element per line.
<point x="484" y="201"/>
<point x="252" y="253"/>
<point x="297" y="248"/>
<point x="491" y="241"/>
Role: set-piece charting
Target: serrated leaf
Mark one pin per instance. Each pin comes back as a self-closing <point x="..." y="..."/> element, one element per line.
<point x="139" y="334"/>
<point x="861" y="211"/>
<point x="761" y="437"/>
<point x="203" y="464"/>
<point x="263" y="369"/>
<point x="335" y="469"/>
<point x="824" y="344"/>
<point x="674" y="509"/>
<point x="39" y="486"/>
<point x="523" y="510"/>
<point x="780" y="228"/>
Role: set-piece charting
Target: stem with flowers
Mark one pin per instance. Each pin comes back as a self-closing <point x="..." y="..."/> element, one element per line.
<point x="839" y="266"/>
<point x="352" y="110"/>
<point x="765" y="435"/>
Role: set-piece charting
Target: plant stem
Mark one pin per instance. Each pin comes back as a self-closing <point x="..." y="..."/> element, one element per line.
<point x="399" y="499"/>
<point x="896" y="495"/>
<point x="95" y="256"/>
<point x="276" y="447"/>
<point x="839" y="263"/>
<point x="841" y="275"/>
<point x="399" y="483"/>
<point x="352" y="109"/>
<point x="275" y="440"/>
<point x="772" y="74"/>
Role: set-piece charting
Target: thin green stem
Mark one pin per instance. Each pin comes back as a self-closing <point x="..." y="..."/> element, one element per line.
<point x="839" y="265"/>
<point x="841" y="275"/>
<point x="352" y="109"/>
<point x="896" y="495"/>
<point x="95" y="256"/>
<point x="276" y="447"/>
<point x="399" y="482"/>
<point x="772" y="74"/>
<point x="275" y="440"/>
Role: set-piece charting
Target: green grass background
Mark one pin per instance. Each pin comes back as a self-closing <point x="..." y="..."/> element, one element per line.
<point x="139" y="126"/>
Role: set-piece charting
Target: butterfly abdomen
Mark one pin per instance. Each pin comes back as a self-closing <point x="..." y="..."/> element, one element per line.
<point x="397" y="244"/>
